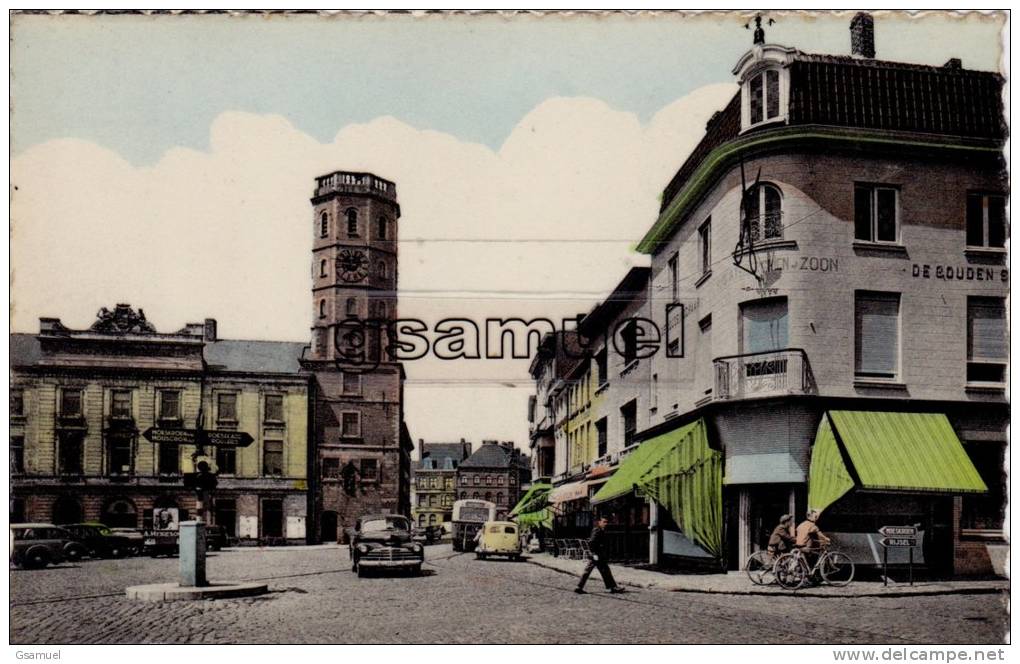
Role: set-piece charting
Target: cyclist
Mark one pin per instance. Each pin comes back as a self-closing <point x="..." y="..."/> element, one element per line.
<point x="811" y="540"/>
<point x="782" y="538"/>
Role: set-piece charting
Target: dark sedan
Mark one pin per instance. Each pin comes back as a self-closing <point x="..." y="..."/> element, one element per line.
<point x="384" y="541"/>
<point x="100" y="541"/>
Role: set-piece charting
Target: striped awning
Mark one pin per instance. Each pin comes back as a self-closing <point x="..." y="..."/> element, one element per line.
<point x="568" y="492"/>
<point x="914" y="452"/>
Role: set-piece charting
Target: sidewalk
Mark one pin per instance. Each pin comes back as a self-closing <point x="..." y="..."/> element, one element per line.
<point x="737" y="583"/>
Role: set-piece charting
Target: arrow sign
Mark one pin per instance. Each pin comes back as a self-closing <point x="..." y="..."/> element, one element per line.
<point x="193" y="436"/>
<point x="898" y="531"/>
<point x="899" y="541"/>
<point x="227" y="438"/>
<point x="179" y="436"/>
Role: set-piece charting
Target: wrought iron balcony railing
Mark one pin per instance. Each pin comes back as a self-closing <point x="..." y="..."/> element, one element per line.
<point x="763" y="374"/>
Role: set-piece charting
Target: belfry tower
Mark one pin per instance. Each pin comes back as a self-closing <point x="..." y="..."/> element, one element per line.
<point x="361" y="446"/>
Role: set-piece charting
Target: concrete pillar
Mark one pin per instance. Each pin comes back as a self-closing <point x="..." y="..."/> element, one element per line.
<point x="743" y="526"/>
<point x="192" y="554"/>
<point x="653" y="532"/>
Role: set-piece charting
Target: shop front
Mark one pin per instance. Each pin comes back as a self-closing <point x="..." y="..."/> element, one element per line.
<point x="874" y="469"/>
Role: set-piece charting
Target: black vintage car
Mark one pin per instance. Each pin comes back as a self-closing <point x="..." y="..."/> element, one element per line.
<point x="383" y="541"/>
<point x="100" y="541"/>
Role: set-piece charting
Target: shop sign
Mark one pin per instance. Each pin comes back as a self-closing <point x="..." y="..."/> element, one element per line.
<point x="959" y="273"/>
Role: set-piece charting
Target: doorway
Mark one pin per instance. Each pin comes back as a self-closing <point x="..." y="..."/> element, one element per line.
<point x="272" y="518"/>
<point x="67" y="510"/>
<point x="327" y="527"/>
<point x="225" y="515"/>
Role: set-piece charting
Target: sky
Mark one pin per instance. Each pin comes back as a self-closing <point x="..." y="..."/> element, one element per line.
<point x="168" y="161"/>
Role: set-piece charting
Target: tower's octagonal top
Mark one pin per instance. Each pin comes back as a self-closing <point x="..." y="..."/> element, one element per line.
<point x="348" y="182"/>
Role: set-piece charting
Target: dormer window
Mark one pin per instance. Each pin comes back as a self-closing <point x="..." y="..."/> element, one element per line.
<point x="764" y="100"/>
<point x="764" y="77"/>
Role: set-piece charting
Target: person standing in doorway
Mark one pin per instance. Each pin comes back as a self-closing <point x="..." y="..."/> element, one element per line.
<point x="597" y="544"/>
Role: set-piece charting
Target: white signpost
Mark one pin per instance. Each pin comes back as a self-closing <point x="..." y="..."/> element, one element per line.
<point x="897" y="536"/>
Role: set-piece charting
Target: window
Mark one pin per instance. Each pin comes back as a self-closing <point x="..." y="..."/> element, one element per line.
<point x="475" y="495"/>
<point x="488" y="480"/>
<point x="674" y="277"/>
<point x="70" y="402"/>
<point x="120" y="404"/>
<point x="350" y="425"/>
<point x="322" y="268"/>
<point x="380" y="228"/>
<point x="763" y="97"/>
<point x="352" y="306"/>
<point x="500" y="480"/>
<point x="169" y="459"/>
<point x="629" y="415"/>
<point x="324" y="225"/>
<point x="331" y="468"/>
<point x="169" y="405"/>
<point x="705" y="245"/>
<point x="603" y="436"/>
<point x="488" y="496"/>
<point x="629" y="336"/>
<point x="987" y="343"/>
<point x="274" y="408"/>
<point x="765" y="212"/>
<point x="322" y="308"/>
<point x="477" y="480"/>
<point x="602" y="366"/>
<point x="17" y="402"/>
<point x="381" y="269"/>
<point x="226" y="460"/>
<point x="875" y="213"/>
<point x="226" y="407"/>
<point x="370" y="470"/>
<point x="764" y="326"/>
<point x="352" y="223"/>
<point x="17" y="455"/>
<point x="272" y="457"/>
<point x="119" y="446"/>
<point x="986" y="511"/>
<point x="499" y="498"/>
<point x="986" y="220"/>
<point x="876" y="334"/>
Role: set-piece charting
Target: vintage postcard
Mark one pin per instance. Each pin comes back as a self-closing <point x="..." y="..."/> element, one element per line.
<point x="649" y="327"/>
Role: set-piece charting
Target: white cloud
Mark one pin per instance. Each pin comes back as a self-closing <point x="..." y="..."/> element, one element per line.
<point x="227" y="233"/>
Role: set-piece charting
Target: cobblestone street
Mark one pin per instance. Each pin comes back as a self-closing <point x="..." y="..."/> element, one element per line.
<point x="315" y="598"/>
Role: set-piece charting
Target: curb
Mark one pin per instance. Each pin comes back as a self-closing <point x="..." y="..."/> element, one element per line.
<point x="980" y="590"/>
<point x="172" y="592"/>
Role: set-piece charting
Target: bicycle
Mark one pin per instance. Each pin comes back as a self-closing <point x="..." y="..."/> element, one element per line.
<point x="760" y="567"/>
<point x="835" y="568"/>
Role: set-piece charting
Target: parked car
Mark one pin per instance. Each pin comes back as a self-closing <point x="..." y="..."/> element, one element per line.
<point x="383" y="541"/>
<point x="35" y="545"/>
<point x="499" y="538"/>
<point x="216" y="538"/>
<point x="136" y="540"/>
<point x="100" y="541"/>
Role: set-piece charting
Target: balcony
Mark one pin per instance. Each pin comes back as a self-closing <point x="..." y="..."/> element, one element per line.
<point x="355" y="183"/>
<point x="766" y="374"/>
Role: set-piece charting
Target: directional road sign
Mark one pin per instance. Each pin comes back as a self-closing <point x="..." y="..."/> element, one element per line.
<point x="898" y="531"/>
<point x="899" y="541"/>
<point x="199" y="437"/>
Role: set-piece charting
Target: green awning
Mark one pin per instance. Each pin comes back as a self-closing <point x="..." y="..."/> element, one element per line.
<point x="542" y="517"/>
<point x="682" y="473"/>
<point x="536" y="494"/>
<point x="916" y="452"/>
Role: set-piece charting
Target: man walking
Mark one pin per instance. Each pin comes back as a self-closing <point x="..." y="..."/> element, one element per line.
<point x="597" y="544"/>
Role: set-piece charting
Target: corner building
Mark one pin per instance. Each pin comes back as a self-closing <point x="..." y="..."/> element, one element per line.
<point x="828" y="276"/>
<point x="847" y="294"/>
<point x="361" y="447"/>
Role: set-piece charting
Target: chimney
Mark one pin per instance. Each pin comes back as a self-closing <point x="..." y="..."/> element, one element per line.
<point x="209" y="328"/>
<point x="862" y="36"/>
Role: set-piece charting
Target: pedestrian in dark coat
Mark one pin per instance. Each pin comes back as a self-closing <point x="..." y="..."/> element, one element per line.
<point x="597" y="544"/>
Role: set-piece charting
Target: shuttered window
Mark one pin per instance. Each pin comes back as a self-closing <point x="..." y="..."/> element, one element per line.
<point x="764" y="326"/>
<point x="987" y="349"/>
<point x="876" y="334"/>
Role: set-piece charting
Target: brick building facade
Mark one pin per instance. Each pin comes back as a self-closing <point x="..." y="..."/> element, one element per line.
<point x="434" y="481"/>
<point x="494" y="472"/>
<point x="361" y="445"/>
